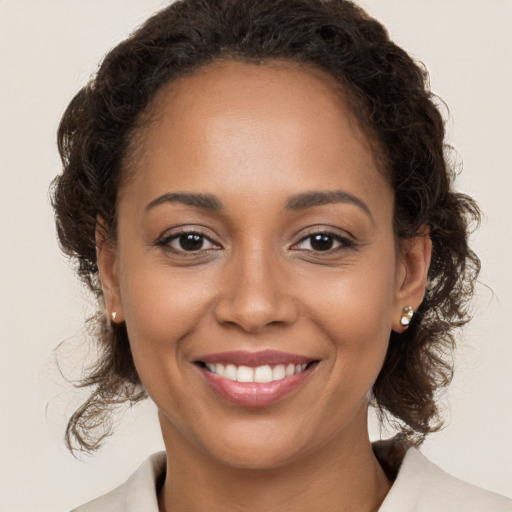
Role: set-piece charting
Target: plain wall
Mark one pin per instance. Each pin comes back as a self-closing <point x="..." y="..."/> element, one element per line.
<point x="48" y="49"/>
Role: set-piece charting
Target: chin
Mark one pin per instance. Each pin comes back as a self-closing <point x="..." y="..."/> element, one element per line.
<point x="248" y="443"/>
<point x="256" y="455"/>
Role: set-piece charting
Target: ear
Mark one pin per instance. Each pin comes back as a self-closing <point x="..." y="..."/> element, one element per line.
<point x="412" y="274"/>
<point x="106" y="257"/>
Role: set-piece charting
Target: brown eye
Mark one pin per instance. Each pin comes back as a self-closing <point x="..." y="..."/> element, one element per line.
<point x="323" y="242"/>
<point x="190" y="242"/>
<point x="187" y="242"/>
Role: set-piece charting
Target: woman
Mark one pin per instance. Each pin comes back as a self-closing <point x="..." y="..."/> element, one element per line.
<point x="258" y="193"/>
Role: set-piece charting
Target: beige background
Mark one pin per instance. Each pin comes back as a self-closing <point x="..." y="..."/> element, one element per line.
<point x="47" y="51"/>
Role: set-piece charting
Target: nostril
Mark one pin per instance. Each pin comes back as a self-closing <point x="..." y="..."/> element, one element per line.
<point x="253" y="313"/>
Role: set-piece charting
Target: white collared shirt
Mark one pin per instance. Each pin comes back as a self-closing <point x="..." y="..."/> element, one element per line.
<point x="420" y="486"/>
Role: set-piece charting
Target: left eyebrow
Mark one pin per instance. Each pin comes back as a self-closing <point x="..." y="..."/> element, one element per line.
<point x="203" y="201"/>
<point x="319" y="197"/>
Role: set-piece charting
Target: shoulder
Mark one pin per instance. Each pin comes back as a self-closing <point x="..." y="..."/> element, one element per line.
<point x="422" y="486"/>
<point x="137" y="493"/>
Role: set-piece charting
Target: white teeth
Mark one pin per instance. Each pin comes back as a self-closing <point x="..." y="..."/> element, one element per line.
<point x="245" y="374"/>
<point x="278" y="372"/>
<point x="263" y="374"/>
<point x="260" y="374"/>
<point x="230" y="372"/>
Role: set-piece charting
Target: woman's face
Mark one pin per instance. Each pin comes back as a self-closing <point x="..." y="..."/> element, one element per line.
<point x="256" y="267"/>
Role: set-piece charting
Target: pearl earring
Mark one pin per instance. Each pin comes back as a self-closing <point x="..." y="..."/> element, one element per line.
<point x="407" y="314"/>
<point x="113" y="315"/>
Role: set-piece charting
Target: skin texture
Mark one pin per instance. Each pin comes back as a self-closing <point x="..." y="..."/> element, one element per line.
<point x="254" y="137"/>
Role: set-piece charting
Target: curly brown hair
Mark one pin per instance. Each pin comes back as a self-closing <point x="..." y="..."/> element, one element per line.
<point x="388" y="92"/>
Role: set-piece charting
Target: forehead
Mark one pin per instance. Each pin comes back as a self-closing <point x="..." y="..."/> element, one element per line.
<point x="271" y="126"/>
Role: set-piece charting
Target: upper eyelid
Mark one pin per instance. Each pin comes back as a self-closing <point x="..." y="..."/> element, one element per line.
<point x="168" y="235"/>
<point x="327" y="230"/>
<point x="185" y="230"/>
<point x="344" y="240"/>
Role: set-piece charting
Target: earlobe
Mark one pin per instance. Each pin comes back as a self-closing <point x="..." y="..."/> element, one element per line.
<point x="412" y="278"/>
<point x="106" y="258"/>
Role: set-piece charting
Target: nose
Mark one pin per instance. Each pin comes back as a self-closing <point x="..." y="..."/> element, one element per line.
<point x="255" y="294"/>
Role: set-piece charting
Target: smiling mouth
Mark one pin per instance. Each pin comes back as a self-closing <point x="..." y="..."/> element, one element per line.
<point x="255" y="379"/>
<point x="259" y="374"/>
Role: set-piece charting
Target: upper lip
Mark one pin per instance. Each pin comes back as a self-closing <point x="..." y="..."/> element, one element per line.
<point x="254" y="359"/>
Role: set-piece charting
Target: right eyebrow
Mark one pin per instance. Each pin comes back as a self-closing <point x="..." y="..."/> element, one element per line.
<point x="320" y="197"/>
<point x="204" y="201"/>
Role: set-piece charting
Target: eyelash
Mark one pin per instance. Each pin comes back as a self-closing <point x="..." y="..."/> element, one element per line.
<point x="165" y="243"/>
<point x="344" y="242"/>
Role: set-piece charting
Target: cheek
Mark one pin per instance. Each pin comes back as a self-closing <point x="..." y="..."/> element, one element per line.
<point x="357" y="300"/>
<point x="161" y="310"/>
<point x="161" y="307"/>
<point x="355" y="311"/>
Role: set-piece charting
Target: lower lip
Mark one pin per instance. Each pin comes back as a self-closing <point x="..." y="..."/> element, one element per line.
<point x="255" y="394"/>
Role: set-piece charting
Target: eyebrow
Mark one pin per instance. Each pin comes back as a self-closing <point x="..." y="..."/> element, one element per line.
<point x="204" y="201"/>
<point x="300" y="201"/>
<point x="319" y="198"/>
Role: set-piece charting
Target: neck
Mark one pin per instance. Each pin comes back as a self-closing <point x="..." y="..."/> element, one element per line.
<point x="340" y="476"/>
